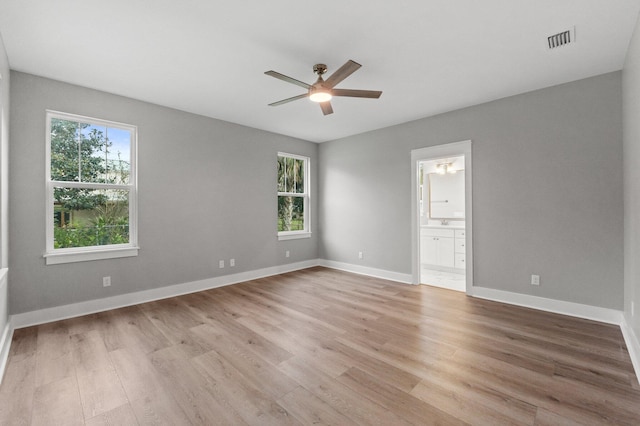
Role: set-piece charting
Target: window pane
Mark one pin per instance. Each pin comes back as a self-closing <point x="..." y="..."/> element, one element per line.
<point x="281" y="174"/>
<point x="290" y="175"/>
<point x="111" y="155"/>
<point x="64" y="150"/>
<point x="290" y="213"/>
<point x="92" y="153"/>
<point x="298" y="176"/>
<point x="118" y="156"/>
<point x="90" y="217"/>
<point x="89" y="153"/>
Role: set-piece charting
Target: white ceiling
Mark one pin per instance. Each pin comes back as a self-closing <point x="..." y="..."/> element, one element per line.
<point x="208" y="57"/>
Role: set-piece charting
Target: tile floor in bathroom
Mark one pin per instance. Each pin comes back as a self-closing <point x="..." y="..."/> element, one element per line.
<point x="448" y="280"/>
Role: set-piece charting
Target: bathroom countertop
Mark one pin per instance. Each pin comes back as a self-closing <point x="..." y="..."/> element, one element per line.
<point x="442" y="226"/>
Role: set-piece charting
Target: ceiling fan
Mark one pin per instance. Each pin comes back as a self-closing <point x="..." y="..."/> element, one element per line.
<point x="323" y="90"/>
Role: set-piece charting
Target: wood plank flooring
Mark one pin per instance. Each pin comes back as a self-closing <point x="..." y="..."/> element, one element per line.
<point x="320" y="346"/>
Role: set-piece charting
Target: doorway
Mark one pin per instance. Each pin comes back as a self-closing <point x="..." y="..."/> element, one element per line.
<point x="441" y="216"/>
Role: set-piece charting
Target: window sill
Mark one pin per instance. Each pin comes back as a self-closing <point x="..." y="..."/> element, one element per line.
<point x="293" y="235"/>
<point x="84" y="256"/>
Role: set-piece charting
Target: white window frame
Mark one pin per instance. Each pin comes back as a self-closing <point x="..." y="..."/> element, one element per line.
<point x="306" y="232"/>
<point x="79" y="254"/>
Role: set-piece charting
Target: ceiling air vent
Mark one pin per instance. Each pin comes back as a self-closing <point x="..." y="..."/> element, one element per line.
<point x="561" y="39"/>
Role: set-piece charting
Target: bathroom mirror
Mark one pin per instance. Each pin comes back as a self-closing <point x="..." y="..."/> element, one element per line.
<point x="446" y="195"/>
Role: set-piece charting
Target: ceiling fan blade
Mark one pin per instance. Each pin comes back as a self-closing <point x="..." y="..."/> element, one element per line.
<point x="284" y="101"/>
<point x="288" y="79"/>
<point x="326" y="108"/>
<point x="374" y="94"/>
<point x="341" y="73"/>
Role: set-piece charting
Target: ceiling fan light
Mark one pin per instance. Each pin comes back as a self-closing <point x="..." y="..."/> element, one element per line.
<point x="320" y="96"/>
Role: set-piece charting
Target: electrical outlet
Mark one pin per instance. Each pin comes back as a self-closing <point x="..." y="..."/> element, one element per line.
<point x="106" y="281"/>
<point x="535" y="279"/>
<point x="221" y="264"/>
<point x="360" y="255"/>
<point x="232" y="262"/>
<point x="287" y="254"/>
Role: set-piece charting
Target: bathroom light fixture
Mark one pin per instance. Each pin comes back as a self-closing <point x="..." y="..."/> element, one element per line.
<point x="443" y="168"/>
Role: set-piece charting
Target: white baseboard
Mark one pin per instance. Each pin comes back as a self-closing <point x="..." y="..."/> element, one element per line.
<point x="5" y="345"/>
<point x="633" y="345"/>
<point x="609" y="316"/>
<point x="365" y="270"/>
<point x="42" y="316"/>
<point x="6" y="329"/>
<point x="57" y="313"/>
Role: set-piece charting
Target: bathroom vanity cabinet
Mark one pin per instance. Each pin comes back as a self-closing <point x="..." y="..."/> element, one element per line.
<point x="442" y="247"/>
<point x="459" y="249"/>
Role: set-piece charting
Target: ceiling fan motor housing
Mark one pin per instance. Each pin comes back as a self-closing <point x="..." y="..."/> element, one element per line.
<point x="319" y="69"/>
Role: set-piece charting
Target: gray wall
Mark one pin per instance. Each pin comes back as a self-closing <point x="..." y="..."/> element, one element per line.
<point x="207" y="191"/>
<point x="4" y="174"/>
<point x="631" y="102"/>
<point x="547" y="194"/>
<point x="547" y="191"/>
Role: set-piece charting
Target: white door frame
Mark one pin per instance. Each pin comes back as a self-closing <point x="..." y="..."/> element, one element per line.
<point x="434" y="153"/>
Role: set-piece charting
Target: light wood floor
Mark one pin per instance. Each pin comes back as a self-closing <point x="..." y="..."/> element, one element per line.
<point x="320" y="347"/>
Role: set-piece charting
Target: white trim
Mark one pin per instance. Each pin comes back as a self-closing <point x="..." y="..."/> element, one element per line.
<point x="95" y="253"/>
<point x="79" y="254"/>
<point x="306" y="200"/>
<point x="610" y="316"/>
<point x="4" y="174"/>
<point x="633" y="346"/>
<point x="90" y="120"/>
<point x="42" y="316"/>
<point x="365" y="270"/>
<point x="433" y="153"/>
<point x="595" y="313"/>
<point x="57" y="313"/>
<point x="89" y="185"/>
<point x="5" y="347"/>
<point x="7" y="333"/>
<point x="296" y="156"/>
<point x="293" y="235"/>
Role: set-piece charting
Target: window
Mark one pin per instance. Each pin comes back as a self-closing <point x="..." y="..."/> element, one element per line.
<point x="91" y="189"/>
<point x="293" y="197"/>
